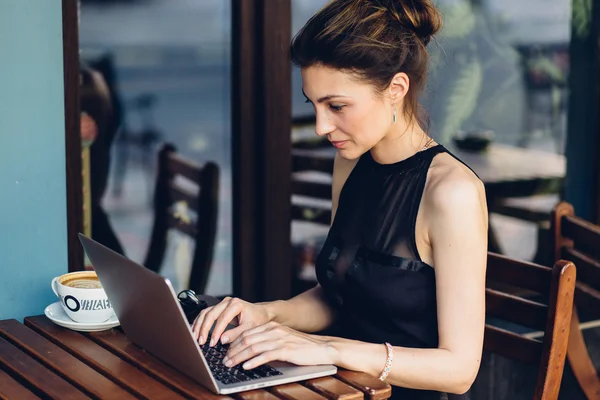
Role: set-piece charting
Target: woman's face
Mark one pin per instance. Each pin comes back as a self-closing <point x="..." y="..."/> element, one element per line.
<point x="349" y="112"/>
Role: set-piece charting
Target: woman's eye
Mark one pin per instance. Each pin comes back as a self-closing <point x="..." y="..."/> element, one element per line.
<point x="336" y="108"/>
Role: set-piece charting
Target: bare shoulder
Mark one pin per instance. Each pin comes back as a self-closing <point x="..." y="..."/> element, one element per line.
<point x="452" y="185"/>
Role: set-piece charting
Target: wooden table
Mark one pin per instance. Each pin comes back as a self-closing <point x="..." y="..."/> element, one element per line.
<point x="39" y="359"/>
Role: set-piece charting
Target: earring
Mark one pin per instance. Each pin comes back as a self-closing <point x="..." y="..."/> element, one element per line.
<point x="394" y="116"/>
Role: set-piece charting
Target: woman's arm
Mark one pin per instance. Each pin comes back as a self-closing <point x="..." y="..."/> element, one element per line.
<point x="458" y="237"/>
<point x="307" y="312"/>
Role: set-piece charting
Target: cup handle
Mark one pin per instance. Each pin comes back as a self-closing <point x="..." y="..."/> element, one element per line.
<point x="54" y="285"/>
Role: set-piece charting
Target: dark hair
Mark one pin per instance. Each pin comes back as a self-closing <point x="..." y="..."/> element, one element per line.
<point x="373" y="39"/>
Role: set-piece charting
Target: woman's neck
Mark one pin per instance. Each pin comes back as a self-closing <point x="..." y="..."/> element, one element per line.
<point x="402" y="142"/>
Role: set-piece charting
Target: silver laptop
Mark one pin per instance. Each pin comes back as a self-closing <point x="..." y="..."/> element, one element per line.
<point x="151" y="317"/>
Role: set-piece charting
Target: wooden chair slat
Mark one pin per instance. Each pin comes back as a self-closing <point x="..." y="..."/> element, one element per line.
<point x="177" y="165"/>
<point x="62" y="363"/>
<point x="512" y="345"/>
<point x="523" y="274"/>
<point x="332" y="388"/>
<point x="185" y="227"/>
<point x="316" y="215"/>
<point x="119" y="344"/>
<point x="103" y="361"/>
<point x="255" y="395"/>
<point x="11" y="389"/>
<point x="179" y="194"/>
<point x="306" y="160"/>
<point x="311" y="189"/>
<point x="42" y="380"/>
<point x="587" y="299"/>
<point x="560" y="304"/>
<point x="588" y="268"/>
<point x="373" y="388"/>
<point x="295" y="391"/>
<point x="585" y="235"/>
<point x="516" y="309"/>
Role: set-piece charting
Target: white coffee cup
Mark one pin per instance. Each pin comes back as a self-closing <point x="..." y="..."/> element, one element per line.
<point x="82" y="297"/>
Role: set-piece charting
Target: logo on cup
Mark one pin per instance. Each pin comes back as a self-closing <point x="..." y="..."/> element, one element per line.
<point x="86" y="305"/>
<point x="82" y="297"/>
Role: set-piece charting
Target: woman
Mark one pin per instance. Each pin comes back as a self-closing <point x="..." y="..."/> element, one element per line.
<point x="402" y="272"/>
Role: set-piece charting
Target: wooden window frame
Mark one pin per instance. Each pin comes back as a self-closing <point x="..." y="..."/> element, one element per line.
<point x="261" y="145"/>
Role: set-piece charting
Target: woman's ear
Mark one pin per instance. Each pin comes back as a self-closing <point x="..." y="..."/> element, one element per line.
<point x="399" y="86"/>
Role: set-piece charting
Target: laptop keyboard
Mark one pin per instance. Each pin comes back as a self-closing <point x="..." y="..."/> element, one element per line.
<point x="214" y="357"/>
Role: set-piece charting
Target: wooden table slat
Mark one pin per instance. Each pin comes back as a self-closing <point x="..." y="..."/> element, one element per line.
<point x="45" y="382"/>
<point x="334" y="389"/>
<point x="255" y="395"/>
<point x="102" y="360"/>
<point x="61" y="362"/>
<point x="373" y="388"/>
<point x="11" y="389"/>
<point x="116" y="341"/>
<point x="295" y="391"/>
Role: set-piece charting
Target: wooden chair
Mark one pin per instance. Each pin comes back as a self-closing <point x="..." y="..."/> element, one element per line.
<point x="577" y="240"/>
<point x="168" y="191"/>
<point x="509" y="286"/>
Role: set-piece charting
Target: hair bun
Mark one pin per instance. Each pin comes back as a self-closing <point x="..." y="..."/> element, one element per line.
<point x="419" y="16"/>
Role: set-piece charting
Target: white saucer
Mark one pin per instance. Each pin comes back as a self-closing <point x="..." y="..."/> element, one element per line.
<point x="56" y="314"/>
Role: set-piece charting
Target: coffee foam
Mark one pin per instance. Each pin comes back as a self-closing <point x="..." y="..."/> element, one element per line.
<point x="81" y="281"/>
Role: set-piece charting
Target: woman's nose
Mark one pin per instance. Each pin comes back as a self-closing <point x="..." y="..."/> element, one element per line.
<point x="323" y="126"/>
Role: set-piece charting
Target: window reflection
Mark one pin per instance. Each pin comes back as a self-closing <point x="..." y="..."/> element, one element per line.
<point x="169" y="63"/>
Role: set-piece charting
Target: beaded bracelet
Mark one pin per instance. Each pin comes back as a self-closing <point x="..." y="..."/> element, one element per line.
<point x="388" y="362"/>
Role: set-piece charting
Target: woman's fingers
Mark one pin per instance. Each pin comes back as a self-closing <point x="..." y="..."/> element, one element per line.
<point x="208" y="317"/>
<point x="232" y="334"/>
<point x="234" y="308"/>
<point x="259" y="353"/>
<point x="253" y="337"/>
<point x="198" y="322"/>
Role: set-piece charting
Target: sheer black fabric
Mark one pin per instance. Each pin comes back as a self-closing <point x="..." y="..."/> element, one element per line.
<point x="369" y="266"/>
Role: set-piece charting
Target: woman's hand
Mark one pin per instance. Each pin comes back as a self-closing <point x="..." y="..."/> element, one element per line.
<point x="272" y="341"/>
<point x="231" y="310"/>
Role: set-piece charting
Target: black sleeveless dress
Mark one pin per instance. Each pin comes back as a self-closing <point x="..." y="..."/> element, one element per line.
<point x="369" y="266"/>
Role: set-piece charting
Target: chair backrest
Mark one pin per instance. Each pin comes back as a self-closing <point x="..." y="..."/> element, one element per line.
<point x="549" y="312"/>
<point x="203" y="201"/>
<point x="311" y="187"/>
<point x="578" y="240"/>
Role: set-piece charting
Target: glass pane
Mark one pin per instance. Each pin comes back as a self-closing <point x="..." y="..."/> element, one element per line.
<point x="501" y="65"/>
<point x="171" y="63"/>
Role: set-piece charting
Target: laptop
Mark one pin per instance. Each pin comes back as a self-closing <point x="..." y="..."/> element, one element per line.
<point x="152" y="318"/>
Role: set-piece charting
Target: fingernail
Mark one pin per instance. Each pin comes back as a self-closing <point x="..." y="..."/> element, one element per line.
<point x="225" y="339"/>
<point x="227" y="362"/>
<point x="212" y="342"/>
<point x="247" y="365"/>
<point x="201" y="340"/>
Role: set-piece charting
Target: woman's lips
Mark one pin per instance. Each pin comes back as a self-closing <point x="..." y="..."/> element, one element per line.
<point x="339" y="144"/>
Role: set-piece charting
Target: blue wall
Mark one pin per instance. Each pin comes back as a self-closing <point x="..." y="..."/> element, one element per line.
<point x="33" y="231"/>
